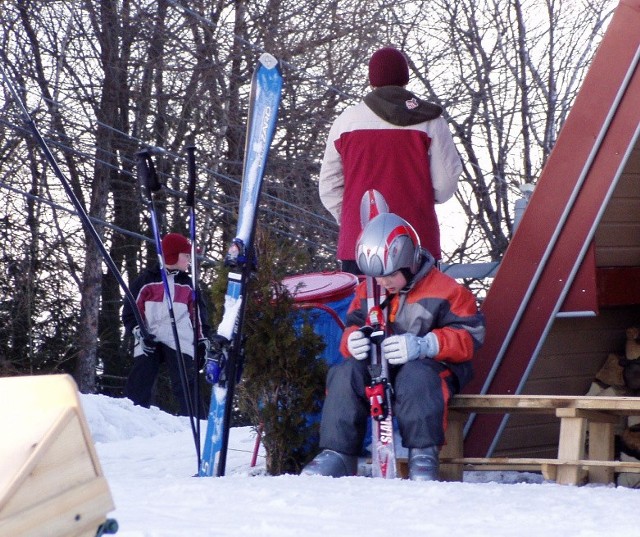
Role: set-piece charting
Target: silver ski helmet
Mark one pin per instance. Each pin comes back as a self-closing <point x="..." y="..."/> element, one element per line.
<point x="388" y="243"/>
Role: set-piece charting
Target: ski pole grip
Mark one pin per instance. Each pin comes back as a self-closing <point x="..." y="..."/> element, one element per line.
<point x="147" y="172"/>
<point x="144" y="173"/>
<point x="375" y="333"/>
<point x="191" y="168"/>
<point x="144" y="331"/>
<point x="366" y="330"/>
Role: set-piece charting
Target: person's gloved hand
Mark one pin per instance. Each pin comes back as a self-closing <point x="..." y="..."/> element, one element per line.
<point x="204" y="351"/>
<point x="358" y="345"/>
<point x="406" y="347"/>
<point x="148" y="343"/>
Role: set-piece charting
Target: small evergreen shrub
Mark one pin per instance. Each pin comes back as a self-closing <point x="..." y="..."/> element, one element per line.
<point x="282" y="386"/>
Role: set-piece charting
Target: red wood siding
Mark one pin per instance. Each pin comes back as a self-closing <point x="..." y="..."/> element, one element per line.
<point x="559" y="224"/>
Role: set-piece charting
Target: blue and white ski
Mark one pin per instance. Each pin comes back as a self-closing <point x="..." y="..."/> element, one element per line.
<point x="223" y="372"/>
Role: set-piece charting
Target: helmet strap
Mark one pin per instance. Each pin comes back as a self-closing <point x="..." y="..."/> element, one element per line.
<point x="408" y="275"/>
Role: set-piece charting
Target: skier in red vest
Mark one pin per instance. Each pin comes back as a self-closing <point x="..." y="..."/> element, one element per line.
<point x="395" y="143"/>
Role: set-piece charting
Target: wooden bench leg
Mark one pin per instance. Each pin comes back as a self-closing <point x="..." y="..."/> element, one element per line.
<point x="402" y="468"/>
<point x="601" y="448"/>
<point x="572" y="444"/>
<point x="549" y="471"/>
<point x="453" y="447"/>
<point x="573" y="429"/>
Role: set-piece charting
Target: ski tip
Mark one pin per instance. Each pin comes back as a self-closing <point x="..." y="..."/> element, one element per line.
<point x="268" y="60"/>
<point x="371" y="205"/>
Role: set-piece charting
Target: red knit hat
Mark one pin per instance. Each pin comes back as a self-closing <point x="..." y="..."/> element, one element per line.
<point x="388" y="67"/>
<point x="174" y="244"/>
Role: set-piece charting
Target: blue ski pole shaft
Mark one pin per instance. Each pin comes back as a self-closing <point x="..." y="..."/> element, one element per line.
<point x="84" y="217"/>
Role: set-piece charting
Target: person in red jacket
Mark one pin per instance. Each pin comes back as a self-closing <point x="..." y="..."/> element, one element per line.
<point x="395" y="143"/>
<point x="433" y="329"/>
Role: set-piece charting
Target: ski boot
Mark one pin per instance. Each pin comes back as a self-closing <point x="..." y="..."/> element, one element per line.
<point x="332" y="463"/>
<point x="423" y="463"/>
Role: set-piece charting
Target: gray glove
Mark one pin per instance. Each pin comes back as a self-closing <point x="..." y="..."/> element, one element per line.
<point x="358" y="345"/>
<point x="406" y="347"/>
<point x="148" y="344"/>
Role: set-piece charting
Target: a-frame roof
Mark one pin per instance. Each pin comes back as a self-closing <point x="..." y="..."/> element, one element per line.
<point x="551" y="256"/>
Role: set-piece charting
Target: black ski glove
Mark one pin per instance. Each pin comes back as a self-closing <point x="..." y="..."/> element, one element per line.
<point x="205" y="350"/>
<point x="148" y="343"/>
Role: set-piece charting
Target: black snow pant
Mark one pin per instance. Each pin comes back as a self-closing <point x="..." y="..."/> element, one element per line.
<point x="140" y="386"/>
<point x="422" y="389"/>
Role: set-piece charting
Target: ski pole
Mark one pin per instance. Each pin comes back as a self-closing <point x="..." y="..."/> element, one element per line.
<point x="195" y="292"/>
<point x="84" y="217"/>
<point x="150" y="184"/>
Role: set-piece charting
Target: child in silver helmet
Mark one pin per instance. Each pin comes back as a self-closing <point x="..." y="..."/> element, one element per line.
<point x="433" y="326"/>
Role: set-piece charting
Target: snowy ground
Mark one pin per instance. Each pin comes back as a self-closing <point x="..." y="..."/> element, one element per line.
<point x="149" y="460"/>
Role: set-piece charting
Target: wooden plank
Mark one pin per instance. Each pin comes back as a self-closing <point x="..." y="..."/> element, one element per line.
<point x="453" y="447"/>
<point x="534" y="464"/>
<point x="621" y="406"/>
<point x="589" y="414"/>
<point x="543" y="403"/>
<point x="37" y="401"/>
<point x="55" y="485"/>
<point x="402" y="468"/>
<point x="76" y="512"/>
<point x="601" y="447"/>
<point x="59" y="461"/>
<point x="22" y="450"/>
<point x="503" y="403"/>
<point x="571" y="447"/>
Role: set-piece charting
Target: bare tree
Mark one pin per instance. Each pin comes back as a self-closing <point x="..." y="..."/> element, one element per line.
<point x="506" y="72"/>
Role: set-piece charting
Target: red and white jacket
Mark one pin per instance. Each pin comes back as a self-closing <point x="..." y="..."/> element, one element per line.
<point x="148" y="291"/>
<point x="399" y="145"/>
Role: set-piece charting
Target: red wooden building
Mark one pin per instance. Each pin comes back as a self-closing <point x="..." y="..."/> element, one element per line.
<point x="569" y="283"/>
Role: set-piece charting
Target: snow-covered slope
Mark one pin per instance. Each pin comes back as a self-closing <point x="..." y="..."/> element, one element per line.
<point x="149" y="459"/>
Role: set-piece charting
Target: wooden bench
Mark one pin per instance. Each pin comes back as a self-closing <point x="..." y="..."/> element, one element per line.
<point x="577" y="415"/>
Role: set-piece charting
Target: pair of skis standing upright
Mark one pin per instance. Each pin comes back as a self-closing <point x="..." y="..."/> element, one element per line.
<point x="224" y="354"/>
